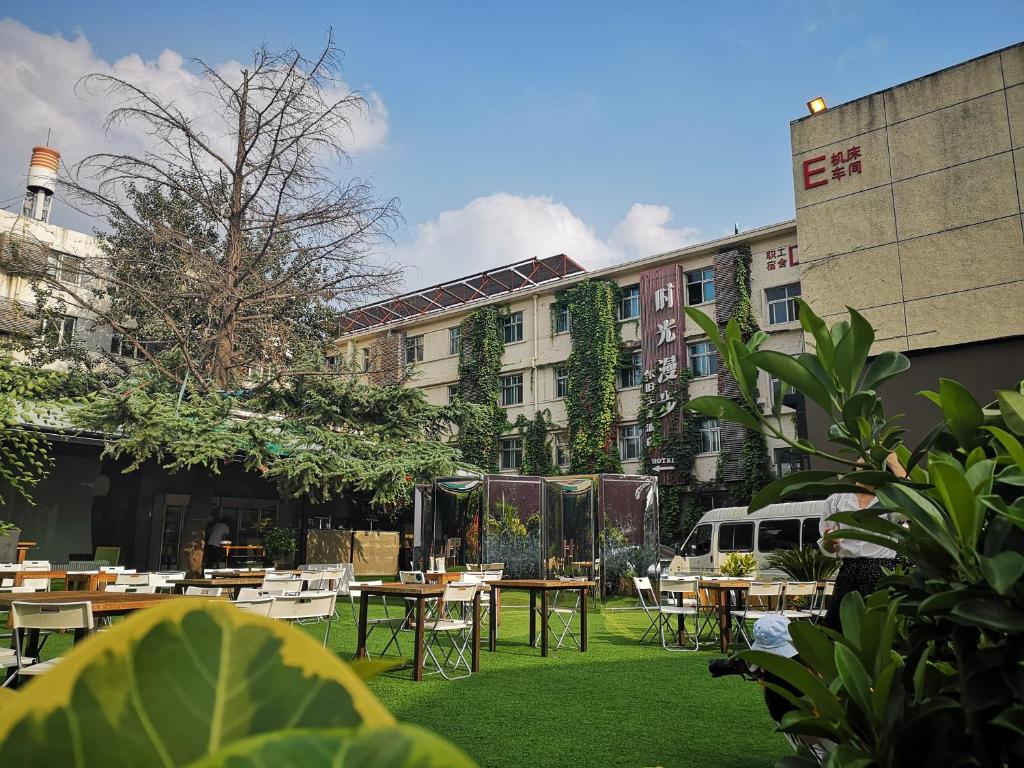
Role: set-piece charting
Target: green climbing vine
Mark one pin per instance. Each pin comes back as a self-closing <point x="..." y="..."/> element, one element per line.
<point x="536" y="446"/>
<point x="592" y="367"/>
<point x="482" y="347"/>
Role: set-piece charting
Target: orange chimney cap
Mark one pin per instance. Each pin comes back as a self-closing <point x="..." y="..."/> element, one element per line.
<point x="45" y="157"/>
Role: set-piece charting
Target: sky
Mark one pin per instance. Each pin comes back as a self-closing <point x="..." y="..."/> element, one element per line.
<point x="606" y="131"/>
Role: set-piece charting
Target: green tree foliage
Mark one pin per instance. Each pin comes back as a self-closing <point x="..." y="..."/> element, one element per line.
<point x="480" y="353"/>
<point x="927" y="670"/>
<point x="592" y="367"/>
<point x="536" y="446"/>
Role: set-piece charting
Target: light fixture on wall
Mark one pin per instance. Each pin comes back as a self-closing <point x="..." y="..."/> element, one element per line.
<point x="816" y="105"/>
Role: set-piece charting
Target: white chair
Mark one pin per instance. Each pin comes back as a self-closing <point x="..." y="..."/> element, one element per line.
<point x="133" y="579"/>
<point x="762" y="598"/>
<point x="456" y="627"/>
<point x="115" y="569"/>
<point x="261" y="606"/>
<point x="36" y="565"/>
<point x="204" y="591"/>
<point x="820" y="606"/>
<point x="412" y="577"/>
<point x="393" y="623"/>
<point x="9" y="567"/>
<point x="253" y="593"/>
<point x="163" y="580"/>
<point x="685" y="594"/>
<point x="798" y="597"/>
<point x="36" y="585"/>
<point x="50" y="617"/>
<point x="305" y="606"/>
<point x="324" y="579"/>
<point x="565" y="614"/>
<point x="285" y="582"/>
<point x="142" y="589"/>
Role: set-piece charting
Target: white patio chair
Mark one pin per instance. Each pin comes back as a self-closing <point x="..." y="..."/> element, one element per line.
<point x="48" y="617"/>
<point x="393" y="623"/>
<point x="35" y="585"/>
<point x="685" y="594"/>
<point x="453" y="625"/>
<point x="9" y="567"/>
<point x="564" y="613"/>
<point x="762" y="598"/>
<point x="285" y="582"/>
<point x="261" y="606"/>
<point x="162" y="580"/>
<point x="796" y="592"/>
<point x="304" y="606"/>
<point x="141" y="589"/>
<point x="820" y="606"/>
<point x="134" y="579"/>
<point x="115" y="569"/>
<point x="204" y="591"/>
<point x="36" y="565"/>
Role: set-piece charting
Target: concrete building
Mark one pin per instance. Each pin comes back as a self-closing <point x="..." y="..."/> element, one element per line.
<point x="419" y="331"/>
<point x="909" y="209"/>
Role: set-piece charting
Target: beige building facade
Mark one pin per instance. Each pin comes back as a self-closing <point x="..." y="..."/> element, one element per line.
<point x="538" y="342"/>
<point x="909" y="205"/>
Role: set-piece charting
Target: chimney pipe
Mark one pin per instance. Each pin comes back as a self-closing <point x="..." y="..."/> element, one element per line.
<point x="42" y="183"/>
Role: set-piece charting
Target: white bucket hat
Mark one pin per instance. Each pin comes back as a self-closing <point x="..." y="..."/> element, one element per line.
<point x="771" y="634"/>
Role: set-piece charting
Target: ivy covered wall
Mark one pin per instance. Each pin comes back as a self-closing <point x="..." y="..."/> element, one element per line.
<point x="480" y="354"/>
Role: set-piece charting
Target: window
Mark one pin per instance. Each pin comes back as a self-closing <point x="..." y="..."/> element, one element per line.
<point x="561" y="381"/>
<point x="562" y="322"/>
<point x="786" y="460"/>
<point x="511" y="454"/>
<point x="698" y="543"/>
<point x="775" y="385"/>
<point x="119" y="345"/>
<point x="710" y="435"/>
<point x="366" y="359"/>
<point x="331" y="361"/>
<point x="512" y="389"/>
<point x="454" y="340"/>
<point x="629" y="441"/>
<point x="782" y="306"/>
<point x="778" y="534"/>
<point x="453" y="393"/>
<point x="703" y="358"/>
<point x="512" y="326"/>
<point x="59" y="331"/>
<point x="700" y="286"/>
<point x="413" y="349"/>
<point x="631" y="375"/>
<point x="629" y="303"/>
<point x="561" y="452"/>
<point x="809" y="534"/>
<point x="736" y="537"/>
<point x="70" y="269"/>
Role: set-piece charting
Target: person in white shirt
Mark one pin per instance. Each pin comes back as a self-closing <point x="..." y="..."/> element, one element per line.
<point x="861" y="562"/>
<point x="217" y="533"/>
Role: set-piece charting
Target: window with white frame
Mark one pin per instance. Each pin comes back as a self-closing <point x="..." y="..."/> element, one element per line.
<point x="453" y="393"/>
<point x="629" y="441"/>
<point x="510" y="455"/>
<point x="71" y="269"/>
<point x="702" y="358"/>
<point x="561" y="381"/>
<point x="700" y="286"/>
<point x="512" y="327"/>
<point x="710" y="435"/>
<point x="512" y="389"/>
<point x="629" y="303"/>
<point x="561" y="452"/>
<point x="413" y="349"/>
<point x="366" y="359"/>
<point x="562" y="321"/>
<point x="59" y="331"/>
<point x="632" y="373"/>
<point x="782" y="306"/>
<point x="454" y="340"/>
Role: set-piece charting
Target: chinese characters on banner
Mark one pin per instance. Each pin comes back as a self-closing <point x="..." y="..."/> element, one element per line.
<point x="781" y="258"/>
<point x="835" y="166"/>
<point x="661" y="345"/>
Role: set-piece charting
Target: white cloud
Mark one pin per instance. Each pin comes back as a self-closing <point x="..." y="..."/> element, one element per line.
<point x="502" y="228"/>
<point x="37" y="91"/>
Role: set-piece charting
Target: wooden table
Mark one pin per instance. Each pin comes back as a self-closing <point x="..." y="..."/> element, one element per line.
<point x="542" y="587"/>
<point x="718" y="594"/>
<point x="254" y="550"/>
<point x="23" y="548"/>
<point x="233" y="583"/>
<point x="74" y="580"/>
<point x="420" y="593"/>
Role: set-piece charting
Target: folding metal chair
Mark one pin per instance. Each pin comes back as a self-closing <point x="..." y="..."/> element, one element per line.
<point x="564" y="614"/>
<point x="394" y="623"/>
<point x="796" y="592"/>
<point x="766" y="596"/>
<point x="261" y="606"/>
<point x="42" y="616"/>
<point x="684" y="606"/>
<point x="649" y="604"/>
<point x="305" y="606"/>
<point x="457" y="594"/>
<point x="820" y="607"/>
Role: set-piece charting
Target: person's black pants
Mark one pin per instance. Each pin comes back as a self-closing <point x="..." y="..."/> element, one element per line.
<point x="858" y="574"/>
<point x="211" y="555"/>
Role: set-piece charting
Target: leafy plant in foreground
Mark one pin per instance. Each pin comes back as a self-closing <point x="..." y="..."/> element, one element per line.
<point x="931" y="669"/>
<point x="204" y="684"/>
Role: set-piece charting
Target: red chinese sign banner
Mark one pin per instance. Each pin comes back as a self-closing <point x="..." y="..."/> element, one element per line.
<point x="663" y="352"/>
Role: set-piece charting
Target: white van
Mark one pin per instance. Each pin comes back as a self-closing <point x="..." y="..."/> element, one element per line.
<point x="730" y="529"/>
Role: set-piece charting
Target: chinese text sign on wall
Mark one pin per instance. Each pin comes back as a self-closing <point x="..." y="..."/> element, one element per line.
<point x="834" y="167"/>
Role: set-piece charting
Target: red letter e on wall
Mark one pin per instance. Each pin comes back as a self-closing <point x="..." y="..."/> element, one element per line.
<point x="810" y="173"/>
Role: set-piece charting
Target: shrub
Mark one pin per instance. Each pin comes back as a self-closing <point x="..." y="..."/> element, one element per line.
<point x="805" y="564"/>
<point x="739" y="564"/>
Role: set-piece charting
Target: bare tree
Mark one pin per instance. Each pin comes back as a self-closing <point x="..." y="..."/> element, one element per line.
<point x="233" y="251"/>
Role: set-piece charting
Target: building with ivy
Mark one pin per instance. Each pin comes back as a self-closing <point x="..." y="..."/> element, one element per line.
<point x="588" y="371"/>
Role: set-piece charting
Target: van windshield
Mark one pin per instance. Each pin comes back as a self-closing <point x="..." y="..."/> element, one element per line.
<point x="698" y="542"/>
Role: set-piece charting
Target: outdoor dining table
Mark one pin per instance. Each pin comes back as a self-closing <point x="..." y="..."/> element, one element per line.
<point x="103" y="604"/>
<point x="420" y="593"/>
<point x="543" y="587"/>
<point x="234" y="583"/>
<point x="73" y="580"/>
<point x="718" y="594"/>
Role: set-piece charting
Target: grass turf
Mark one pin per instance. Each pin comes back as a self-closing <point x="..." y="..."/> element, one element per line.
<point x="618" y="704"/>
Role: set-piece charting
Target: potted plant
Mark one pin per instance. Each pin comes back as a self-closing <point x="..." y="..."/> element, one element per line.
<point x="738" y="564"/>
<point x="9" y="534"/>
<point x="278" y="543"/>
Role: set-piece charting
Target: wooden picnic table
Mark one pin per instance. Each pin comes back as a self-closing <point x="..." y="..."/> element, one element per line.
<point x="420" y="593"/>
<point x="543" y="587"/>
<point x="103" y="604"/>
<point x="74" y="580"/>
<point x="233" y="583"/>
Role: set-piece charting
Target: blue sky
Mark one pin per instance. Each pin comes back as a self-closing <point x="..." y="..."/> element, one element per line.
<point x="575" y="111"/>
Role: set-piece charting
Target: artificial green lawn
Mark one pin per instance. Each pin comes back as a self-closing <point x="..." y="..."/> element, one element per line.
<point x="618" y="704"/>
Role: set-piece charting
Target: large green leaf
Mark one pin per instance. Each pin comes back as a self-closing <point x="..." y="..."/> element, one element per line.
<point x="722" y="408"/>
<point x="793" y="372"/>
<point x="1003" y="570"/>
<point x="790" y="483"/>
<point x="883" y="368"/>
<point x="990" y="615"/>
<point x="824" y="347"/>
<point x="959" y="500"/>
<point x="175" y="684"/>
<point x="709" y="326"/>
<point x="1011" y="406"/>
<point x="963" y="413"/>
<point x="852" y="350"/>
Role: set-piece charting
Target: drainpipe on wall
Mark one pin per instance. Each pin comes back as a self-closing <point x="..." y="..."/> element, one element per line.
<point x="533" y="365"/>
